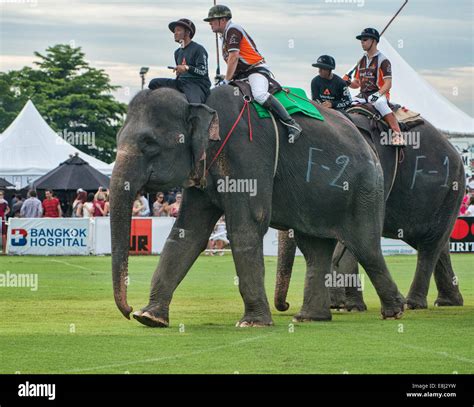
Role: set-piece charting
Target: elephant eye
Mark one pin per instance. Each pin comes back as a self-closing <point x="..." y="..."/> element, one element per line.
<point x="148" y="144"/>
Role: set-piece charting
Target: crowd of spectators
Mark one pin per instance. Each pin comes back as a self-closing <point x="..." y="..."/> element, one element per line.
<point x="84" y="205"/>
<point x="467" y="206"/>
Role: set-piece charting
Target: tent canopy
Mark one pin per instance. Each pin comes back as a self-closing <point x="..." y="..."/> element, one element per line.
<point x="5" y="184"/>
<point x="71" y="175"/>
<point x="29" y="148"/>
<point x="411" y="90"/>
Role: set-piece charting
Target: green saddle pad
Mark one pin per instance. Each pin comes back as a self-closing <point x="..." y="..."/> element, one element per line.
<point x="292" y="104"/>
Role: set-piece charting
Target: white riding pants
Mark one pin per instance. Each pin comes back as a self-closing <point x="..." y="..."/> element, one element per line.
<point x="381" y="105"/>
<point x="259" y="85"/>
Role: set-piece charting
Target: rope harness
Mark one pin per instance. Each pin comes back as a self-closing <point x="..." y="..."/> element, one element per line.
<point x="289" y="92"/>
<point x="246" y="106"/>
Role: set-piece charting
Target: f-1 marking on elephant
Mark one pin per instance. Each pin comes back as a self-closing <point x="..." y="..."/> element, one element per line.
<point x="421" y="209"/>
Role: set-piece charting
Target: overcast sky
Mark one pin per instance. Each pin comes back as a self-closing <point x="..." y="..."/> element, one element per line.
<point x="121" y="36"/>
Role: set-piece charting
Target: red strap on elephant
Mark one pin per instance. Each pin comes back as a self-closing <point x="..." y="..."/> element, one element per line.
<point x="246" y="106"/>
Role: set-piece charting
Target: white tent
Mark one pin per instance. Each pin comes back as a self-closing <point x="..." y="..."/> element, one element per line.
<point x="411" y="90"/>
<point x="29" y="148"/>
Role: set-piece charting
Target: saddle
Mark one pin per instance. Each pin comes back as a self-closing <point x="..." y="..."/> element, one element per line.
<point x="367" y="119"/>
<point x="407" y="119"/>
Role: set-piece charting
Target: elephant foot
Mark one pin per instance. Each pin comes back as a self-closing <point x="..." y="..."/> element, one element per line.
<point x="254" y="322"/>
<point x="417" y="303"/>
<point x="454" y="300"/>
<point x="303" y="316"/>
<point x="356" y="307"/>
<point x="149" y="319"/>
<point x="395" y="309"/>
<point x="337" y="297"/>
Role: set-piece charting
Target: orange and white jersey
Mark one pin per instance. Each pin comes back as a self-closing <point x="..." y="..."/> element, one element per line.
<point x="235" y="38"/>
<point x="373" y="72"/>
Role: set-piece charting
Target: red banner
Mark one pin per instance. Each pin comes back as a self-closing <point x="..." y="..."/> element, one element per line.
<point x="140" y="236"/>
<point x="462" y="237"/>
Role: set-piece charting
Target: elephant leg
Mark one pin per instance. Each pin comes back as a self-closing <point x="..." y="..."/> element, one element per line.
<point x="366" y="249"/>
<point x="354" y="300"/>
<point x="337" y="295"/>
<point x="246" y="242"/>
<point x="188" y="238"/>
<point x="286" y="259"/>
<point x="347" y="297"/>
<point x="446" y="281"/>
<point x="426" y="262"/>
<point x="318" y="255"/>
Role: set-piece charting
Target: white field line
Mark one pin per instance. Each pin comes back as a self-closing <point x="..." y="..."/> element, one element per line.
<point x="153" y="360"/>
<point x="427" y="350"/>
<point x="73" y="265"/>
<point x="439" y="353"/>
<point x="414" y="347"/>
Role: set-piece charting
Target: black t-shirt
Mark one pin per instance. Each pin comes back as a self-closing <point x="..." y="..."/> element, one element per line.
<point x="334" y="90"/>
<point x="195" y="56"/>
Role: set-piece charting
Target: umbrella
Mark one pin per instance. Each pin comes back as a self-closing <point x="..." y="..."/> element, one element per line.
<point x="5" y="184"/>
<point x="71" y="175"/>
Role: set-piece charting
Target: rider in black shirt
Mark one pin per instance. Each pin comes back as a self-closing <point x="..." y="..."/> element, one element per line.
<point x="329" y="89"/>
<point x="192" y="77"/>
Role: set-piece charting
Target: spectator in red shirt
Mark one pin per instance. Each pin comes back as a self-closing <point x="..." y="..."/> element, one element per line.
<point x="51" y="206"/>
<point x="465" y="203"/>
<point x="99" y="204"/>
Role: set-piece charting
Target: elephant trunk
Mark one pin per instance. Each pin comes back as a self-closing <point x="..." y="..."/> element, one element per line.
<point x="286" y="258"/>
<point x="123" y="189"/>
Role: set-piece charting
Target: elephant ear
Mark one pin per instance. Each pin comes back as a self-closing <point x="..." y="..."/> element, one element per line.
<point x="204" y="127"/>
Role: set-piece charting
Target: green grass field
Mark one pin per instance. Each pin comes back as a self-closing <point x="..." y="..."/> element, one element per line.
<point x="71" y="325"/>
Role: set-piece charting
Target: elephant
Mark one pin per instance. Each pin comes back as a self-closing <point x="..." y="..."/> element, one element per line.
<point x="421" y="208"/>
<point x="165" y="141"/>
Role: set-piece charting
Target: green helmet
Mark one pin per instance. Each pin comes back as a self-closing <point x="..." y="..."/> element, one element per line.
<point x="218" y="11"/>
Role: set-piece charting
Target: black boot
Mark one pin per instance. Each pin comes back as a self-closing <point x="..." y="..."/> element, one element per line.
<point x="294" y="129"/>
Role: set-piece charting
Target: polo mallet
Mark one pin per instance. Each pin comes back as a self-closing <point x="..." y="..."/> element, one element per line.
<point x="218" y="69"/>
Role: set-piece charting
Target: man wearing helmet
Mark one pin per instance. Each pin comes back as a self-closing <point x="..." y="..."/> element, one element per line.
<point x="328" y="88"/>
<point x="192" y="77"/>
<point x="374" y="77"/>
<point x="244" y="62"/>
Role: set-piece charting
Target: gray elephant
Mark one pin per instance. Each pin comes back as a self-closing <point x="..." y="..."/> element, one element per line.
<point x="421" y="209"/>
<point x="164" y="139"/>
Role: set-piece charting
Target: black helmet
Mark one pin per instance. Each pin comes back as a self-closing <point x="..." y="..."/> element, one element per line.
<point x="369" y="33"/>
<point x="218" y="11"/>
<point x="325" y="62"/>
<point x="183" y="22"/>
